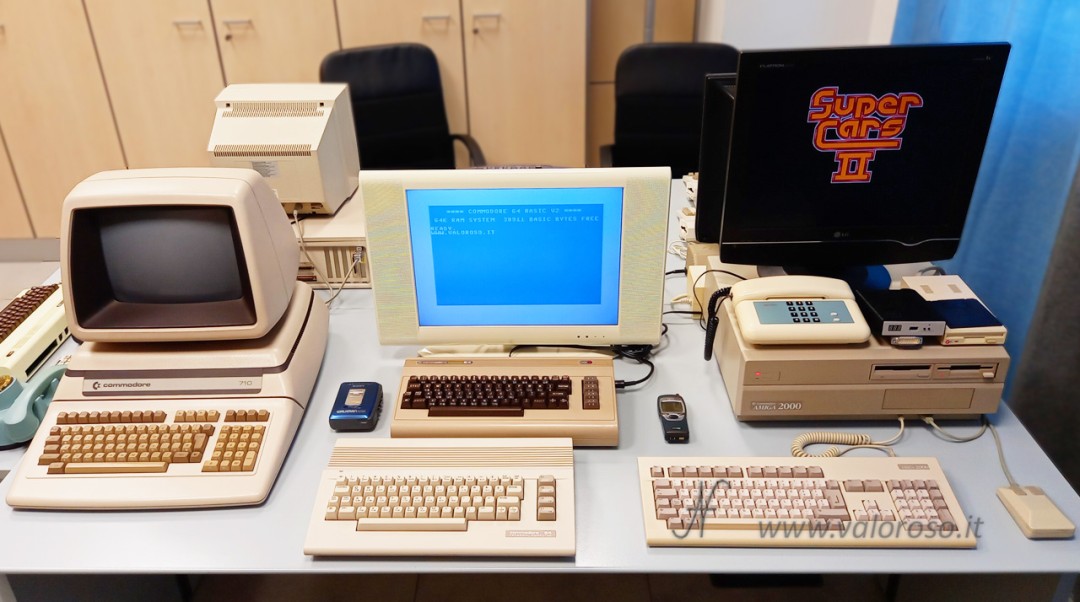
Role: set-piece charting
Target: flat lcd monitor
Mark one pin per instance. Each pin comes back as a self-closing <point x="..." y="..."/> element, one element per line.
<point x="518" y="256"/>
<point x="850" y="156"/>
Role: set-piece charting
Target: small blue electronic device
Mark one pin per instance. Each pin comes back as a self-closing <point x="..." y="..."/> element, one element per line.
<point x="357" y="407"/>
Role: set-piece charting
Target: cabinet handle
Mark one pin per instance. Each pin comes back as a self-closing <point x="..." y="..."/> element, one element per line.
<point x="188" y="23"/>
<point x="435" y="17"/>
<point x="238" y="23"/>
<point x="481" y="16"/>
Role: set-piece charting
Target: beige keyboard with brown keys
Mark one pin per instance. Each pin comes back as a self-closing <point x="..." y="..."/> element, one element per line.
<point x="875" y="502"/>
<point x="32" y="326"/>
<point x="166" y="453"/>
<point x="508" y="397"/>
<point x="454" y="497"/>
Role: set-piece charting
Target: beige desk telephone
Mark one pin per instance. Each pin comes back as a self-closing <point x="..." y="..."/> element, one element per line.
<point x="797" y="310"/>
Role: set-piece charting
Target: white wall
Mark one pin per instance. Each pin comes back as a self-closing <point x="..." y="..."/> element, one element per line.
<point x="749" y="24"/>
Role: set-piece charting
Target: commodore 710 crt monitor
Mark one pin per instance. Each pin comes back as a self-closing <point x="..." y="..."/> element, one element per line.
<point x="300" y="137"/>
<point x="125" y="280"/>
<point x="518" y="256"/>
<point x="850" y="156"/>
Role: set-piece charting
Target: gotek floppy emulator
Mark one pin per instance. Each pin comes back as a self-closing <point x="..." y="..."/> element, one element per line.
<point x="899" y="313"/>
<point x="860" y="381"/>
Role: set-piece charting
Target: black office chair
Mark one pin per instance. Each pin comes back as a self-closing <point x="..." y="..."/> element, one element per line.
<point x="397" y="103"/>
<point x="658" y="90"/>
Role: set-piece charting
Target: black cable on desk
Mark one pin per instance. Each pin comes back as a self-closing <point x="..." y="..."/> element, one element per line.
<point x="638" y="353"/>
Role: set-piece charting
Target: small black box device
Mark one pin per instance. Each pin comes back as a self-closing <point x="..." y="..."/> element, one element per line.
<point x="357" y="407"/>
<point x="899" y="313"/>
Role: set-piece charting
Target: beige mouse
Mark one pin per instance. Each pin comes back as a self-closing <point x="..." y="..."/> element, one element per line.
<point x="1036" y="514"/>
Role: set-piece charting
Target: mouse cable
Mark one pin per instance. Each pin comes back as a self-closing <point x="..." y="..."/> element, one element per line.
<point x="986" y="426"/>
<point x="852" y="440"/>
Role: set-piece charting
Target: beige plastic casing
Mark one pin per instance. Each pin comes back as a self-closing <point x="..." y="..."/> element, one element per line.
<point x="869" y="380"/>
<point x="28" y="346"/>
<point x="299" y="136"/>
<point x="276" y="372"/>
<point x="780" y="288"/>
<point x="525" y="457"/>
<point x="751" y="532"/>
<point x="331" y="242"/>
<point x="588" y="428"/>
<point x="1035" y="513"/>
<point x="641" y="282"/>
<point x="268" y="244"/>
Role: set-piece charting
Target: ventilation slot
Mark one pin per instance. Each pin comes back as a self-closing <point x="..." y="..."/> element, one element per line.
<point x="338" y="261"/>
<point x="273" y="109"/>
<point x="262" y="150"/>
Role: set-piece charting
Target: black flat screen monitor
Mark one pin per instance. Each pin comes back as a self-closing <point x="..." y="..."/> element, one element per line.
<point x="852" y="156"/>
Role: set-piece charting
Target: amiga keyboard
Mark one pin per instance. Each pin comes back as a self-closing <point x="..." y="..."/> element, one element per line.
<point x="32" y="326"/>
<point x="156" y="454"/>
<point x="457" y="497"/>
<point x="508" y="397"/>
<point x="873" y="502"/>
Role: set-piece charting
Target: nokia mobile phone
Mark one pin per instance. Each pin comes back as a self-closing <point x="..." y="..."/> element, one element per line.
<point x="672" y="410"/>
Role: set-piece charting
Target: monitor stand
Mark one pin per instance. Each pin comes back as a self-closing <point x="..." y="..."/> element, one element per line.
<point x="865" y="277"/>
<point x="494" y="351"/>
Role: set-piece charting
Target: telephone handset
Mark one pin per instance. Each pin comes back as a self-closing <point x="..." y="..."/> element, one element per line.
<point x="797" y="310"/>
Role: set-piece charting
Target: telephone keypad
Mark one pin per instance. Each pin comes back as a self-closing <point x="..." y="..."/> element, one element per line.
<point x="818" y="311"/>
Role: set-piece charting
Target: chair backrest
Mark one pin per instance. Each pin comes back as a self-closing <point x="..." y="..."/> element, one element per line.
<point x="397" y="103"/>
<point x="658" y="91"/>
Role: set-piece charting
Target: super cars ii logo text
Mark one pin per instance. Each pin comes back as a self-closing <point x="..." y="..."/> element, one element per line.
<point x="856" y="126"/>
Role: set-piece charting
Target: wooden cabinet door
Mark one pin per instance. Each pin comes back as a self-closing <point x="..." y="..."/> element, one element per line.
<point x="434" y="23"/>
<point x="526" y="67"/>
<point x="14" y="222"/>
<point x="274" y="40"/>
<point x="54" y="111"/>
<point x="161" y="65"/>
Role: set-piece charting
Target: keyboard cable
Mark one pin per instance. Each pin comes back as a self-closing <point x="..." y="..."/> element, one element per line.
<point x="852" y="440"/>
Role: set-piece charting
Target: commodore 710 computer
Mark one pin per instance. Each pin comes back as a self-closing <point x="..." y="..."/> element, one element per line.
<point x="199" y="349"/>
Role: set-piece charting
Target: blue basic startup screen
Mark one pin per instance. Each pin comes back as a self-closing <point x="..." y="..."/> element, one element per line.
<point x="516" y="256"/>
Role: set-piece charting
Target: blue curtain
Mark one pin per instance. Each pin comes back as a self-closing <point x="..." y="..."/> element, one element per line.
<point x="1032" y="151"/>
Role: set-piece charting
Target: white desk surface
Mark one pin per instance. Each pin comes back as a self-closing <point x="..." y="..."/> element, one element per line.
<point x="610" y="535"/>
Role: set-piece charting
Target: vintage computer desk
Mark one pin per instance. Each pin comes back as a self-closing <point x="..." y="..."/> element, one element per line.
<point x="610" y="535"/>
